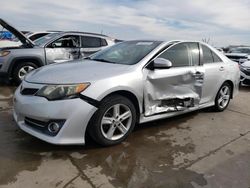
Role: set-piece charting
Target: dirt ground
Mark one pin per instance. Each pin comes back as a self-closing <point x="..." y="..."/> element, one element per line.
<point x="200" y="149"/>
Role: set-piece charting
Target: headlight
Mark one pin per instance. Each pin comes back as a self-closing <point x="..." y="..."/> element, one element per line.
<point x="243" y="68"/>
<point x="4" y="53"/>
<point x="57" y="92"/>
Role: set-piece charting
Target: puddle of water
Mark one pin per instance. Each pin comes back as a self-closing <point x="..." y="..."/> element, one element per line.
<point x="6" y="92"/>
<point x="150" y="157"/>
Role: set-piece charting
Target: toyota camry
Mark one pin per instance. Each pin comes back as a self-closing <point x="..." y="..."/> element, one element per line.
<point x="130" y="83"/>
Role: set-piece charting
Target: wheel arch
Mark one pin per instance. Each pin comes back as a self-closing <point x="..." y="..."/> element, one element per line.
<point x="132" y="97"/>
<point x="14" y="62"/>
<point x="232" y="86"/>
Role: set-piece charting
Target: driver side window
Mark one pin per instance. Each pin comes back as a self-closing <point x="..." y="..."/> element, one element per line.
<point x="67" y="41"/>
<point x="182" y="55"/>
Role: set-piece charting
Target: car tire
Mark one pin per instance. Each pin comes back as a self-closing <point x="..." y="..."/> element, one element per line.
<point x="21" y="70"/>
<point x="223" y="97"/>
<point x="113" y="121"/>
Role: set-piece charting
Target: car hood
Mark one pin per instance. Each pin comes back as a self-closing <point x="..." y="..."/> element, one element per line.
<point x="75" y="72"/>
<point x="24" y="40"/>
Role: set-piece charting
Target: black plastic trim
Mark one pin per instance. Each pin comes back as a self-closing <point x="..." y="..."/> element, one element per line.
<point x="89" y="100"/>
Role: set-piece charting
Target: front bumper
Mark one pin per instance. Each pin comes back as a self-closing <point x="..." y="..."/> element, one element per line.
<point x="75" y="112"/>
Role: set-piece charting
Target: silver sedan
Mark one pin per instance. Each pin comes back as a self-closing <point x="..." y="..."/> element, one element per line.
<point x="129" y="83"/>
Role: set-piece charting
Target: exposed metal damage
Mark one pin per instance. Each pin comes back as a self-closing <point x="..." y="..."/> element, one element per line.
<point x="176" y="92"/>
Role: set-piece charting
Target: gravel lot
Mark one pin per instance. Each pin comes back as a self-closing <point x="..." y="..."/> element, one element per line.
<point x="200" y="149"/>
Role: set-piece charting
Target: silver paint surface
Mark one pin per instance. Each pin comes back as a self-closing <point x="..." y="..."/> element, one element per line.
<point x="152" y="88"/>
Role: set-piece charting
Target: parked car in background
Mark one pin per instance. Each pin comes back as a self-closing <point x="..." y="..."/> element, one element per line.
<point x="13" y="41"/>
<point x="5" y="35"/>
<point x="16" y="62"/>
<point x="38" y="34"/>
<point x="239" y="54"/>
<point x="128" y="83"/>
<point x="244" y="50"/>
<point x="220" y="50"/>
<point x="6" y="39"/>
<point x="245" y="73"/>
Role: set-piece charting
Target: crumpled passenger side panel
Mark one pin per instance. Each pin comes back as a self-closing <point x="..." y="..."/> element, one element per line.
<point x="170" y="91"/>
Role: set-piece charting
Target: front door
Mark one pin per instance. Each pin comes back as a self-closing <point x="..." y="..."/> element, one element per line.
<point x="63" y="49"/>
<point x="178" y="88"/>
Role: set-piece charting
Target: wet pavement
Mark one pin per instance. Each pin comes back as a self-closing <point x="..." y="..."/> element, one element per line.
<point x="199" y="149"/>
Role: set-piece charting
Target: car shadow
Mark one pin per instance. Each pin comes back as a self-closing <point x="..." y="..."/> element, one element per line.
<point x="244" y="88"/>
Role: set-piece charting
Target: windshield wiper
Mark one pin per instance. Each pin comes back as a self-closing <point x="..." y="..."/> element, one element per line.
<point x="103" y="60"/>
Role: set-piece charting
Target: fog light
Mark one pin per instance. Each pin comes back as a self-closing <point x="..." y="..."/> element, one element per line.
<point x="53" y="127"/>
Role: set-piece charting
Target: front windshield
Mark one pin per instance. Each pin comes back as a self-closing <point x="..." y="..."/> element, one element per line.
<point x="45" y="39"/>
<point x="127" y="53"/>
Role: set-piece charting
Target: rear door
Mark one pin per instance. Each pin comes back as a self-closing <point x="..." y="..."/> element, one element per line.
<point x="178" y="88"/>
<point x="90" y="45"/>
<point x="215" y="70"/>
<point x="63" y="49"/>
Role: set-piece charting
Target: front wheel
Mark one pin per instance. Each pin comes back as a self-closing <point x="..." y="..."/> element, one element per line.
<point x="223" y="97"/>
<point x="113" y="121"/>
<point x="21" y="70"/>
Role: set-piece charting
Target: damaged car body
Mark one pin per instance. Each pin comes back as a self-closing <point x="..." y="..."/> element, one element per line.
<point x="129" y="83"/>
<point x="56" y="47"/>
<point x="175" y="90"/>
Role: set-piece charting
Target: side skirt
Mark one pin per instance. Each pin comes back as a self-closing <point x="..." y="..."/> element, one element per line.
<point x="144" y="119"/>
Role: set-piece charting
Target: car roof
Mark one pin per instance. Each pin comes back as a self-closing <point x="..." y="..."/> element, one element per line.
<point x="83" y="33"/>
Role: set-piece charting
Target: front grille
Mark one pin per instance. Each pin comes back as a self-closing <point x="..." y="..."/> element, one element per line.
<point x="246" y="72"/>
<point x="34" y="122"/>
<point x="41" y="126"/>
<point x="29" y="91"/>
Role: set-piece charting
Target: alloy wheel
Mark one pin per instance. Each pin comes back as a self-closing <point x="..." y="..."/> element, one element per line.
<point x="116" y="122"/>
<point x="224" y="97"/>
<point x="24" y="70"/>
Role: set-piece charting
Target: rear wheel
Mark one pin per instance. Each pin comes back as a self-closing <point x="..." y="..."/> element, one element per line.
<point x="21" y="70"/>
<point x="113" y="122"/>
<point x="223" y="97"/>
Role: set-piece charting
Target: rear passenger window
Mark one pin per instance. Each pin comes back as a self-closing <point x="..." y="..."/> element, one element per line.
<point x="91" y="42"/>
<point x="209" y="56"/>
<point x="181" y="55"/>
<point x="216" y="57"/>
<point x="104" y="42"/>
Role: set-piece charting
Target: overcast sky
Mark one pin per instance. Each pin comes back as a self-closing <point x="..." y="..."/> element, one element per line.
<point x="223" y="21"/>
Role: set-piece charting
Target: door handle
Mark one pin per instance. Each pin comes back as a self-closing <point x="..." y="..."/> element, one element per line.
<point x="74" y="52"/>
<point x="221" y="68"/>
<point x="197" y="73"/>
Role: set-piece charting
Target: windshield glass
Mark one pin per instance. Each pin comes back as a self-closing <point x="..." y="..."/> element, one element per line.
<point x="127" y="53"/>
<point x="241" y="50"/>
<point x="45" y="39"/>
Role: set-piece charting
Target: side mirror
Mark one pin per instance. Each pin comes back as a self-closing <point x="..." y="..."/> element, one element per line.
<point x="161" y="63"/>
